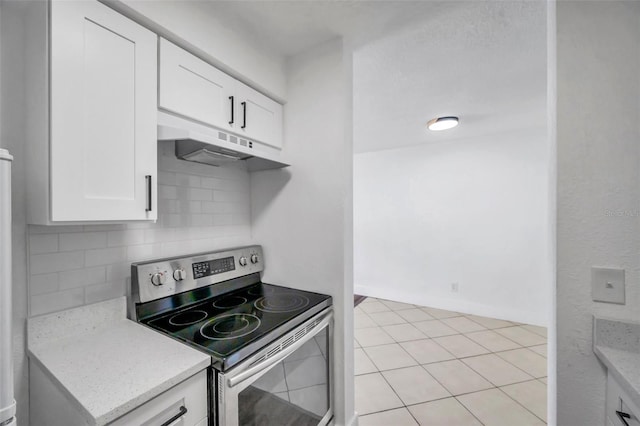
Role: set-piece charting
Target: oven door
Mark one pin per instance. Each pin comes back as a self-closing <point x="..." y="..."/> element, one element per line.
<point x="288" y="383"/>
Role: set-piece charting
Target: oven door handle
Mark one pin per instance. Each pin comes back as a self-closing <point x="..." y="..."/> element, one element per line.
<point x="247" y="374"/>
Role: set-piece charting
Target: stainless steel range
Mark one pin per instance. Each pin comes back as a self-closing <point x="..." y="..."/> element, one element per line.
<point x="270" y="346"/>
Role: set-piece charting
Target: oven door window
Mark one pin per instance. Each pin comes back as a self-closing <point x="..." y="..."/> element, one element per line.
<point x="293" y="392"/>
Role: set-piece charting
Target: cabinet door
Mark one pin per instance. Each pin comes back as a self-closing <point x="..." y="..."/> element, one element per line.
<point x="194" y="89"/>
<point x="103" y="114"/>
<point x="260" y="118"/>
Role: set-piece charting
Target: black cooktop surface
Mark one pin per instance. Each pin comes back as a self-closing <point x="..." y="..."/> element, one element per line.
<point x="224" y="325"/>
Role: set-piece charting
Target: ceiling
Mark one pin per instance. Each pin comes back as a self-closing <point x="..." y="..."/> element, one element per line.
<point x="289" y="27"/>
<point x="484" y="61"/>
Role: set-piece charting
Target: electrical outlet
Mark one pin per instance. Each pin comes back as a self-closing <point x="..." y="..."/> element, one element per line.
<point x="454" y="287"/>
<point x="607" y="285"/>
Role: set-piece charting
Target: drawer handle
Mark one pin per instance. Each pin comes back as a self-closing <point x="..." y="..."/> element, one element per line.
<point x="232" y="108"/>
<point x="623" y="417"/>
<point x="183" y="411"/>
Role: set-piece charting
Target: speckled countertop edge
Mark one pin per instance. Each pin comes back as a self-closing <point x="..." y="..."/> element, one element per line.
<point x="113" y="366"/>
<point x="617" y="344"/>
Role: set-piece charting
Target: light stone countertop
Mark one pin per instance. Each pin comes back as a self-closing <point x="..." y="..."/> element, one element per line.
<point x="617" y="344"/>
<point x="106" y="364"/>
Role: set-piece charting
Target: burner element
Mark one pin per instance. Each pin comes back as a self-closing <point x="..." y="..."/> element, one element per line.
<point x="229" y="302"/>
<point x="226" y="327"/>
<point x="187" y="318"/>
<point x="283" y="302"/>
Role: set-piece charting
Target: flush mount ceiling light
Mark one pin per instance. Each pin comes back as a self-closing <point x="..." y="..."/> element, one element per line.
<point x="442" y="123"/>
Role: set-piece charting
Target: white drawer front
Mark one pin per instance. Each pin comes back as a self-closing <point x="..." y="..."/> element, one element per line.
<point x="190" y="394"/>
<point x="618" y="400"/>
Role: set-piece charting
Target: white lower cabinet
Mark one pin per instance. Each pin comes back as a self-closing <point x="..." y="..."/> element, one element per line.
<point x="189" y="398"/>
<point x="183" y="405"/>
<point x="620" y="405"/>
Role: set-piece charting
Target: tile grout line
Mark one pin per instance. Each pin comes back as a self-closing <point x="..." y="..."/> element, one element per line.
<point x="494" y="386"/>
<point x="519" y="403"/>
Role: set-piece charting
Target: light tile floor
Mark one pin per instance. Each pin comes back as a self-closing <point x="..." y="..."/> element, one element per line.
<point x="416" y="365"/>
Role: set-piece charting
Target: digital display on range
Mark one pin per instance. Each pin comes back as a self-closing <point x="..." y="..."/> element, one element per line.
<point x="213" y="267"/>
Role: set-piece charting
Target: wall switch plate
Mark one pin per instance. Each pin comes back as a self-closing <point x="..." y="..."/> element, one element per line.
<point x="607" y="285"/>
<point x="455" y="287"/>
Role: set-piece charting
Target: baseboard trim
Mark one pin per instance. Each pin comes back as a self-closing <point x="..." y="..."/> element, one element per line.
<point x="457" y="305"/>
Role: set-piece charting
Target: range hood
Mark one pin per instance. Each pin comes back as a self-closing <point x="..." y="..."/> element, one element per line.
<point x="206" y="145"/>
<point x="205" y="153"/>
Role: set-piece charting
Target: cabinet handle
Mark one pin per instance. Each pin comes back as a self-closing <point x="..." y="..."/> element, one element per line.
<point x="231" y="99"/>
<point x="623" y="417"/>
<point x="182" y="412"/>
<point x="149" y="193"/>
<point x="244" y="114"/>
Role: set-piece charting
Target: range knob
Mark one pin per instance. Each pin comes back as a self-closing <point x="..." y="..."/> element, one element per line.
<point x="158" y="279"/>
<point x="243" y="261"/>
<point x="254" y="258"/>
<point x="179" y="274"/>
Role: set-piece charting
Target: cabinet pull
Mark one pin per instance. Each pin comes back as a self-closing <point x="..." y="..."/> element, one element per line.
<point x="232" y="108"/>
<point x="244" y="115"/>
<point x="149" y="193"/>
<point x="623" y="417"/>
<point x="182" y="412"/>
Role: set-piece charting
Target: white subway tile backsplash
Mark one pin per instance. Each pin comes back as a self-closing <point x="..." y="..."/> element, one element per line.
<point x="212" y="183"/>
<point x="39" y="229"/>
<point x="143" y="252"/>
<point x="125" y="238"/>
<point x="51" y="302"/>
<point x="43" y="243"/>
<point x="167" y="192"/>
<point x="82" y="277"/>
<point x="83" y="241"/>
<point x="75" y="265"/>
<point x="104" y="291"/>
<point x="196" y="194"/>
<point x="105" y="256"/>
<point x="43" y="283"/>
<point x="55" y="262"/>
<point x="118" y="271"/>
<point x="104" y="228"/>
<point x="190" y="181"/>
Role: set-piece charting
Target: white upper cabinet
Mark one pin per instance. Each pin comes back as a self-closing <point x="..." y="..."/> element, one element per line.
<point x="103" y="103"/>
<point x="260" y="118"/>
<point x="194" y="89"/>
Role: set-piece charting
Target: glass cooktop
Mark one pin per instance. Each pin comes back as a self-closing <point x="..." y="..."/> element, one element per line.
<point x="224" y="325"/>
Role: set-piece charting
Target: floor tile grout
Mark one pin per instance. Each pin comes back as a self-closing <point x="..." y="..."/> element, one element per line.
<point x="380" y="372"/>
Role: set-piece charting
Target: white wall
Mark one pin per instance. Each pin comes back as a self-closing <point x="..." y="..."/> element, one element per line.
<point x="12" y="133"/>
<point x="471" y="211"/>
<point x="301" y="214"/>
<point x="598" y="84"/>
<point x="195" y="25"/>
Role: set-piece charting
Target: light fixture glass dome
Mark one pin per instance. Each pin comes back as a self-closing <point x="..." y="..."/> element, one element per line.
<point x="442" y="123"/>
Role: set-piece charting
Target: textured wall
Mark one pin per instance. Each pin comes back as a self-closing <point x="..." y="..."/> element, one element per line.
<point x="199" y="208"/>
<point x="301" y="214"/>
<point x="598" y="79"/>
<point x="471" y="212"/>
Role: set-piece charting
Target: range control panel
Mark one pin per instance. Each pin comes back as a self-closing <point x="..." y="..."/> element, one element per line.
<point x="156" y="279"/>
<point x="213" y="267"/>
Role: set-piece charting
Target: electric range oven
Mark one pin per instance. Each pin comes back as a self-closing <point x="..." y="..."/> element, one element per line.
<point x="270" y="346"/>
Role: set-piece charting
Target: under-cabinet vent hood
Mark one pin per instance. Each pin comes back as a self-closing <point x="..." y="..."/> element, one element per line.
<point x="206" y="145"/>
